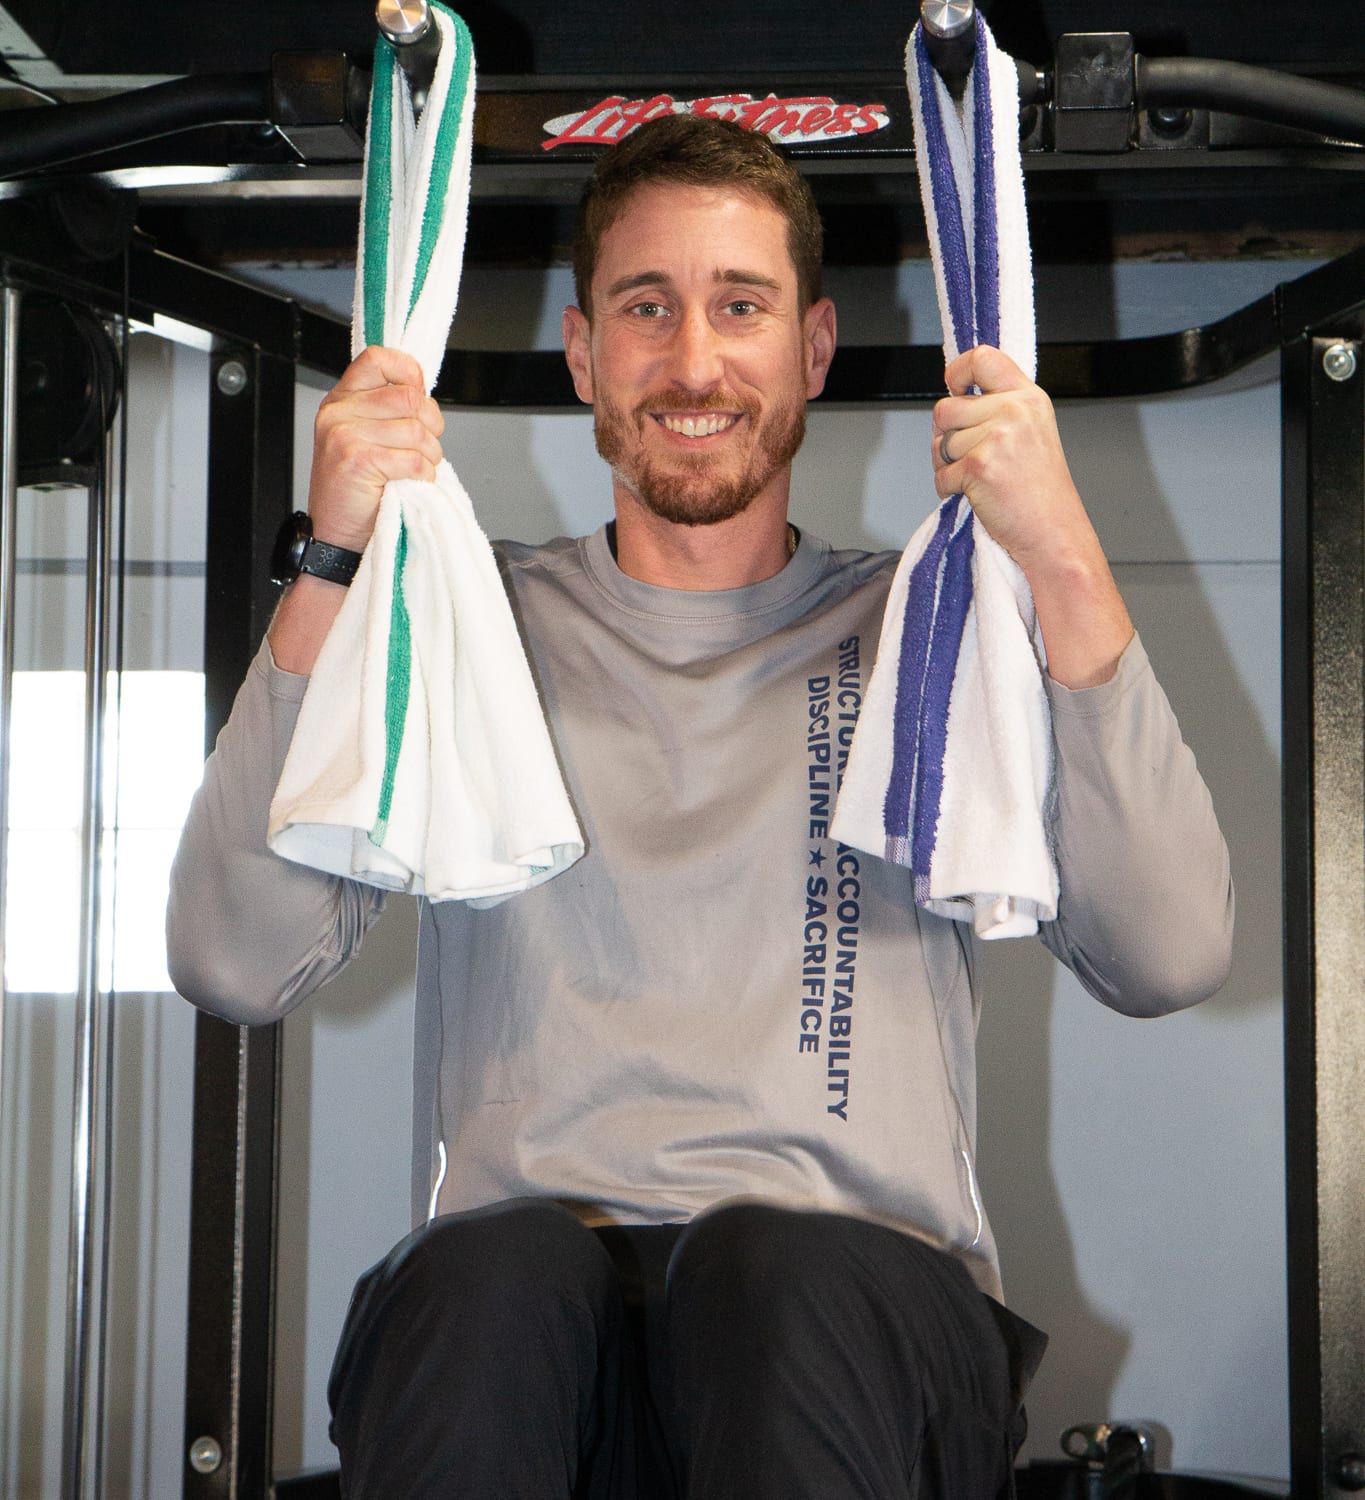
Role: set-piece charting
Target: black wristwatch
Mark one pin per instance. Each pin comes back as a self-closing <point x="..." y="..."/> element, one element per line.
<point x="297" y="551"/>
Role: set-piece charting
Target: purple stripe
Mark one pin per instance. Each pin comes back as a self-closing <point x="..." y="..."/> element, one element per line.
<point x="957" y="270"/>
<point x="939" y="595"/>
<point x="954" y="600"/>
<point x="986" y="277"/>
<point x="916" y="632"/>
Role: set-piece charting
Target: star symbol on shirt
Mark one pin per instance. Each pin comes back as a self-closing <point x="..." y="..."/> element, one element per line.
<point x="817" y="857"/>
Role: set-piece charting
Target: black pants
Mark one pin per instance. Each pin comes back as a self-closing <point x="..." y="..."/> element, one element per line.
<point x="754" y="1354"/>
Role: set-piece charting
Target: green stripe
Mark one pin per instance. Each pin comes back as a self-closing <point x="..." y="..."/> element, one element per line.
<point x="434" y="209"/>
<point x="397" y="687"/>
<point x="378" y="201"/>
<point x="378" y="193"/>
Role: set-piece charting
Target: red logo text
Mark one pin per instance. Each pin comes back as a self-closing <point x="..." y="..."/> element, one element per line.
<point x="806" y="120"/>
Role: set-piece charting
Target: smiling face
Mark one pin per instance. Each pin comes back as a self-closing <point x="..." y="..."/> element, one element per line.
<point x="698" y="360"/>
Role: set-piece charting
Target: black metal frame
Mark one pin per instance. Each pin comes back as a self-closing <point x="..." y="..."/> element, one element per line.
<point x="229" y="1357"/>
<point x="1100" y="96"/>
<point x="1323" y="435"/>
<point x="273" y="326"/>
<point x="1090" y="1481"/>
<point x="230" y="1346"/>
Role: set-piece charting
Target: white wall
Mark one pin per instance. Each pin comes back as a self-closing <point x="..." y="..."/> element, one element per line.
<point x="1133" y="1170"/>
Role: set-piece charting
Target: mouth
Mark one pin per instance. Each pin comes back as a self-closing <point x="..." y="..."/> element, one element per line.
<point x="696" y="425"/>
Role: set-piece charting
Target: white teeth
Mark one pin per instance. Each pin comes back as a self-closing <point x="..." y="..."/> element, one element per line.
<point x="698" y="426"/>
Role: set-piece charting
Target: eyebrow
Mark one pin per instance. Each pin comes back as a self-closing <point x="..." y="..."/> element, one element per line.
<point x="635" y="282"/>
<point x="721" y="278"/>
<point x="747" y="278"/>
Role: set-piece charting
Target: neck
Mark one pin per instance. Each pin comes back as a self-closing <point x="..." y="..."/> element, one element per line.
<point x="749" y="547"/>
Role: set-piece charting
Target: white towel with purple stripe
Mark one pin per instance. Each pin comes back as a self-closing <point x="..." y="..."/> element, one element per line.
<point x="950" y="771"/>
<point x="421" y="760"/>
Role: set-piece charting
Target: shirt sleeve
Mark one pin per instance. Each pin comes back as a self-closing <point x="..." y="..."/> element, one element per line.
<point x="249" y="934"/>
<point x="1145" y="912"/>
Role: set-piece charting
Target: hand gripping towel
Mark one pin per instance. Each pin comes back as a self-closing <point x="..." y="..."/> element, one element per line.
<point x="421" y="760"/>
<point x="950" y="769"/>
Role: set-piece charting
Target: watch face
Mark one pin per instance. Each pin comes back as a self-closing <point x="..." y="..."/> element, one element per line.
<point x="290" y="543"/>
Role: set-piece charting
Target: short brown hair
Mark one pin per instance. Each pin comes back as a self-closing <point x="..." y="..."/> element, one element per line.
<point x="698" y="151"/>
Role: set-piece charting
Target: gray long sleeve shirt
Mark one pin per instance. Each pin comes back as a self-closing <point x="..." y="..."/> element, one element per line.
<point x="717" y="1001"/>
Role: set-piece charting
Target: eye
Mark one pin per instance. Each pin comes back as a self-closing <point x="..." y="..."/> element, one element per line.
<point x="648" y="310"/>
<point x="742" y="307"/>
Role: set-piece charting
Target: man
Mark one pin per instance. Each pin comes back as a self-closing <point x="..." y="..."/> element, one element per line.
<point x="703" y="1210"/>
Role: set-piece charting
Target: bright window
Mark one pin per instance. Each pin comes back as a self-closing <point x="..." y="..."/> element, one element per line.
<point x="154" y="755"/>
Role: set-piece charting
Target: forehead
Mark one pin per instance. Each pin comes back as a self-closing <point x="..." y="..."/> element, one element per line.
<point x="681" y="232"/>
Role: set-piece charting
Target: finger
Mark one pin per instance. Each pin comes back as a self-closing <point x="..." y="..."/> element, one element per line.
<point x="404" y="463"/>
<point x="950" y="447"/>
<point x="403" y="402"/>
<point x="958" y="413"/>
<point x="366" y="441"/>
<point x="944" y="454"/>
<point x="986" y="368"/>
<point x="379" y="366"/>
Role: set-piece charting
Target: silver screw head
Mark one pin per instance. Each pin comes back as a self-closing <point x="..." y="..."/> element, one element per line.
<point x="947" y="18"/>
<point x="403" y="21"/>
<point x="232" y="377"/>
<point x="205" y="1455"/>
<point x="1339" y="361"/>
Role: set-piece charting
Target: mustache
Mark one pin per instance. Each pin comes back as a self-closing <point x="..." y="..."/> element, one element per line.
<point x="676" y="400"/>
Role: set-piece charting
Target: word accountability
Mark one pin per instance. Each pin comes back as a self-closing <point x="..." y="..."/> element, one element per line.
<point x="834" y="913"/>
<point x="806" y="120"/>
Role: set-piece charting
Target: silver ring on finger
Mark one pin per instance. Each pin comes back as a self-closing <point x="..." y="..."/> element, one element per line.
<point x="943" y="446"/>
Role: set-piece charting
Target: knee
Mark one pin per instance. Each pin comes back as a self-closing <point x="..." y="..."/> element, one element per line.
<point x="751" y="1260"/>
<point x="476" y="1306"/>
<point x="511" y="1259"/>
<point x="754" y="1241"/>
<point x="784" y="1272"/>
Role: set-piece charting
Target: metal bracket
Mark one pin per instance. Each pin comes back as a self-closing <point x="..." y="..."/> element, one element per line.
<point x="317" y="103"/>
<point x="1094" y="92"/>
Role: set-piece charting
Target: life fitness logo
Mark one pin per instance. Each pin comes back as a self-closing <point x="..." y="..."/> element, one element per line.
<point x="808" y="120"/>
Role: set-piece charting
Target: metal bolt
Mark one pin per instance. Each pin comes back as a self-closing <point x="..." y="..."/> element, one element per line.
<point x="403" y="21"/>
<point x="1170" y="121"/>
<point x="232" y="377"/>
<point x="1339" y="362"/>
<point x="947" y="18"/>
<point x="1074" y="1443"/>
<point x="1350" y="1467"/>
<point x="205" y="1455"/>
<point x="1088" y="1442"/>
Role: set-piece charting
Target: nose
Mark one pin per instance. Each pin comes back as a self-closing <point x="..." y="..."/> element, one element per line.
<point x="698" y="362"/>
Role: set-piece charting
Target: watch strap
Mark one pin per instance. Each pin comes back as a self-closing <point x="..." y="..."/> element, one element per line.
<point x="325" y="560"/>
<point x="297" y="551"/>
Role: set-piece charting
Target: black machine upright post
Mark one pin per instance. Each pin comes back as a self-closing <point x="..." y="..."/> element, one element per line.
<point x="229" y="1397"/>
<point x="1323" y="414"/>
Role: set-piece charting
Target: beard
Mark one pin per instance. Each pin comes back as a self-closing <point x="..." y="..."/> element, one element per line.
<point x="692" y="489"/>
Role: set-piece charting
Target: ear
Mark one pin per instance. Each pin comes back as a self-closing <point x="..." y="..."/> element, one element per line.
<point x="819" y="330"/>
<point x="577" y="333"/>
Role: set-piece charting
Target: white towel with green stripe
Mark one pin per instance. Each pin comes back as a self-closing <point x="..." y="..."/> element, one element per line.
<point x="421" y="760"/>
